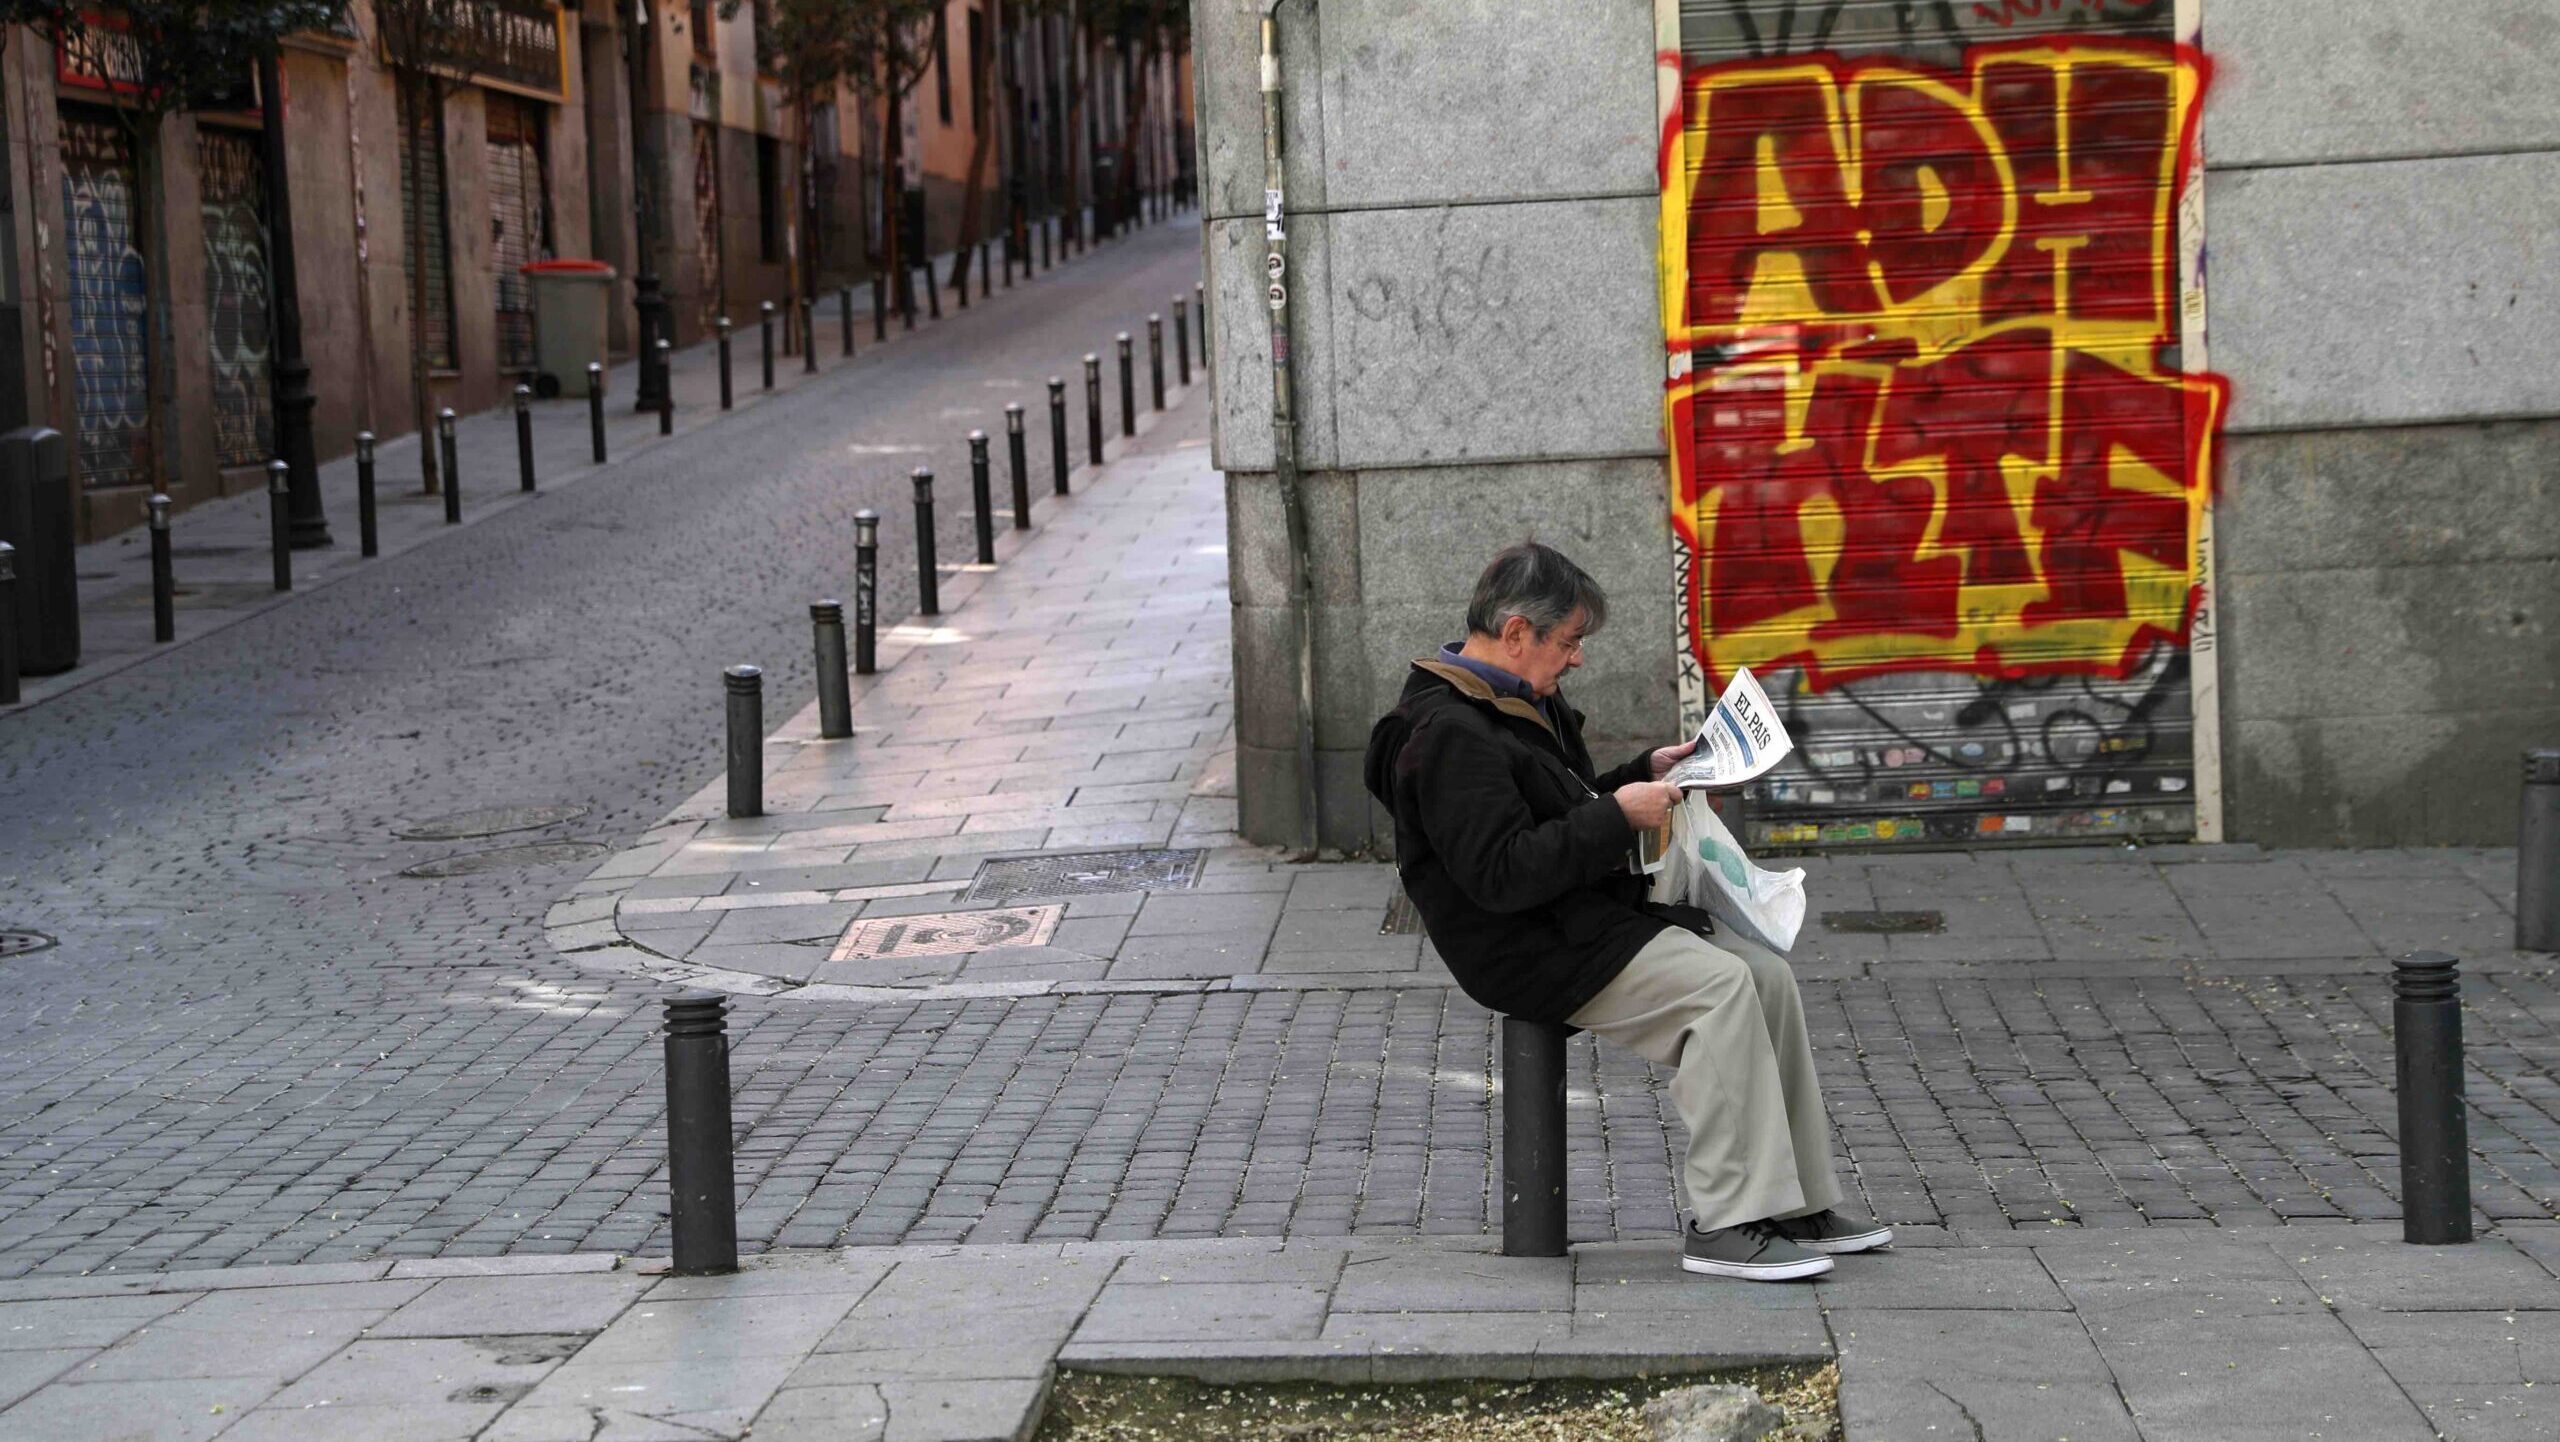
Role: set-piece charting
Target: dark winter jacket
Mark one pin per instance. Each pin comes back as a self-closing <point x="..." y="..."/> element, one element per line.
<point x="1513" y="851"/>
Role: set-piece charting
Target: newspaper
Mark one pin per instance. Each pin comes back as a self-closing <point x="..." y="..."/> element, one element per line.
<point x="1742" y="739"/>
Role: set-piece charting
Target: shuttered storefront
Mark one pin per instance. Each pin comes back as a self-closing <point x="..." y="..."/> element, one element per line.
<point x="706" y="217"/>
<point x="519" y="228"/>
<point x="109" y="298"/>
<point x="422" y="191"/>
<point x="238" y="318"/>
<point x="1938" y="477"/>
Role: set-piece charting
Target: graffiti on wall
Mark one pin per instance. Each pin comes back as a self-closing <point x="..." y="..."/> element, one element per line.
<point x="238" y="324"/>
<point x="109" y="300"/>
<point x="1935" y="457"/>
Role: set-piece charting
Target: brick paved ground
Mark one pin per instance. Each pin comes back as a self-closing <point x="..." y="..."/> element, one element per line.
<point x="259" y="1043"/>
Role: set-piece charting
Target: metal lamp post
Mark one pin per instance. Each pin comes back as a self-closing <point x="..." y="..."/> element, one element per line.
<point x="646" y="297"/>
<point x="307" y="524"/>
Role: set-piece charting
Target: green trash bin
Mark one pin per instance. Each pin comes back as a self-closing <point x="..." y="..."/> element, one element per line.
<point x="571" y="300"/>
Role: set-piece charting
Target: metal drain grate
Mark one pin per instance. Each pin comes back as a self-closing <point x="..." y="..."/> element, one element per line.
<point x="19" y="943"/>
<point x="488" y="821"/>
<point x="534" y="853"/>
<point x="1885" y="923"/>
<point x="1401" y="919"/>
<point x="943" y="933"/>
<point x="1084" y="873"/>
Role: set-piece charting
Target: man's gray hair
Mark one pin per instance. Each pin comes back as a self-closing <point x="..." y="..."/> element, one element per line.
<point x="1538" y="583"/>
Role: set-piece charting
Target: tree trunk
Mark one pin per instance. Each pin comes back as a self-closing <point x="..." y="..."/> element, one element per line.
<point x="1127" y="205"/>
<point x="413" y="108"/>
<point x="159" y="349"/>
<point x="980" y="114"/>
<point x="893" y="184"/>
<point x="1079" y="81"/>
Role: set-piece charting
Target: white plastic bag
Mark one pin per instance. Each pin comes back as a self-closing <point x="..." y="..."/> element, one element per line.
<point x="1706" y="868"/>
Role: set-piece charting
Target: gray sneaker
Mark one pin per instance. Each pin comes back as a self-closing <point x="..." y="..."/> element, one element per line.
<point x="1835" y="1232"/>
<point x="1753" y="1251"/>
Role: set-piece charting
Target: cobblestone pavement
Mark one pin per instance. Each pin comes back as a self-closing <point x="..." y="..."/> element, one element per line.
<point x="260" y="1043"/>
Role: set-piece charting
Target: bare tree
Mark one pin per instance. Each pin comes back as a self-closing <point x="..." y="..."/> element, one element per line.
<point x="160" y="58"/>
<point x="893" y="44"/>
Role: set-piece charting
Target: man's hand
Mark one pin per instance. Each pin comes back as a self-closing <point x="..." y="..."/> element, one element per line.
<point x="1647" y="804"/>
<point x="1669" y="756"/>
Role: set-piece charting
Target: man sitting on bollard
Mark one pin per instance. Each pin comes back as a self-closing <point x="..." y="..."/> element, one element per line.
<point x="1522" y="863"/>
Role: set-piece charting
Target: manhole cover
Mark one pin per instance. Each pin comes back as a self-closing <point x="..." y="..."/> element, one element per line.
<point x="1885" y="923"/>
<point x="945" y="932"/>
<point x="488" y="821"/>
<point x="19" y="943"/>
<point x="1401" y="918"/>
<point x="531" y="853"/>
<point x="1083" y="873"/>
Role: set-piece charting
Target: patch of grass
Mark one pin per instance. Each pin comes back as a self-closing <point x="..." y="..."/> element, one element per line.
<point x="1096" y="1407"/>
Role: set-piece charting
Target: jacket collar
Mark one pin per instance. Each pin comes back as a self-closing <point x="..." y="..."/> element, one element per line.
<point x="1475" y="688"/>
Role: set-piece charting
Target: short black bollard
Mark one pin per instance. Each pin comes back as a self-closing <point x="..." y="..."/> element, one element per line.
<point x="1047" y="259"/>
<point x="452" y="467"/>
<point x="745" y="686"/>
<point x="984" y="270"/>
<point x="960" y="264"/>
<point x="1155" y="359"/>
<point x="1014" y="442"/>
<point x="765" y="318"/>
<point x="1532" y="1138"/>
<point x="1058" y="433"/>
<point x="928" y="591"/>
<point x="702" y="1182"/>
<point x="1092" y="409"/>
<point x="727" y="396"/>
<point x="835" y="696"/>
<point x="164" y="572"/>
<point x="666" y="393"/>
<point x="9" y="624"/>
<point x="2435" y="1143"/>
<point x="1200" y="312"/>
<point x="866" y="592"/>
<point x="844" y="312"/>
<point x="368" y="534"/>
<point x="933" y="289"/>
<point x="280" y="521"/>
<point x="808" y="337"/>
<point x="524" y="436"/>
<point x="1128" y="389"/>
<point x="1182" y="340"/>
<point x="907" y="296"/>
<point x="2538" y="855"/>
<point x="980" y="497"/>
<point x="879" y="308"/>
<point x="595" y="409"/>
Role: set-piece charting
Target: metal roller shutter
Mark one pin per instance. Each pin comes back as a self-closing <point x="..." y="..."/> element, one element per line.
<point x="238" y="320"/>
<point x="519" y="231"/>
<point x="110" y="295"/>
<point x="1938" y="476"/>
<point x="422" y="190"/>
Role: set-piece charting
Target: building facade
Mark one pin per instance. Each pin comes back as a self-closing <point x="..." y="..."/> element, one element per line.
<point x="2089" y="419"/>
<point x="527" y="156"/>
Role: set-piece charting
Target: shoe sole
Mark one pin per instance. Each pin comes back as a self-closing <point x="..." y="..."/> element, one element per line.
<point x="1762" y="1272"/>
<point x="1877" y="1240"/>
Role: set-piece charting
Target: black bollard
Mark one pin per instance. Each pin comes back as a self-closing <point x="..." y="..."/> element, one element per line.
<point x="727" y="397"/>
<point x="666" y="393"/>
<point x="844" y="312"/>
<point x="1014" y="442"/>
<point x="985" y="269"/>
<point x="1092" y="409"/>
<point x="835" y="698"/>
<point x="981" y="498"/>
<point x="1128" y="389"/>
<point x="595" y="409"/>
<point x="933" y="289"/>
<point x="907" y="296"/>
<point x="745" y="685"/>
<point x="808" y="337"/>
<point x="1182" y="340"/>
<point x="1200" y="312"/>
<point x="702" y="1183"/>
<point x="960" y="267"/>
<point x="280" y="521"/>
<point x="866" y="592"/>
<point x="1047" y="260"/>
<point x="1058" y="434"/>
<point x="765" y="320"/>
<point x="1532" y="1138"/>
<point x="164" y="574"/>
<point x="368" y="536"/>
<point x="524" y="437"/>
<point x="2435" y="1146"/>
<point x="9" y="624"/>
<point x="2538" y="855"/>
<point x="452" y="467"/>
<point x="928" y="592"/>
<point x="1155" y="359"/>
<point x="879" y="308"/>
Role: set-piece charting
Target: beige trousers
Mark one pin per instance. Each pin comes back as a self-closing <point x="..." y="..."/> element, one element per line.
<point x="1725" y="1015"/>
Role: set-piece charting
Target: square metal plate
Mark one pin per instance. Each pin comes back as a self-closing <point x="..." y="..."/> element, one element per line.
<point x="944" y="933"/>
<point x="1085" y="873"/>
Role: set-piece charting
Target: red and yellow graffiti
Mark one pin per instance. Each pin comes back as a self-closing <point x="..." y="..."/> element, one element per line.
<point x="1925" y="421"/>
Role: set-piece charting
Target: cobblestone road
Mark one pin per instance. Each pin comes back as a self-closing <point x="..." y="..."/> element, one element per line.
<point x="259" y="1043"/>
